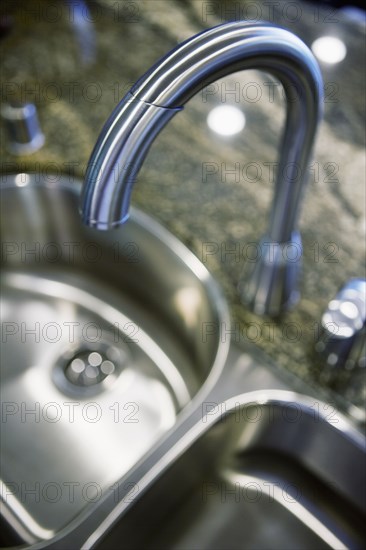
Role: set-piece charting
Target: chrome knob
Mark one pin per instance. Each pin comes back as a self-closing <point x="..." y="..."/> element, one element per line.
<point x="24" y="132"/>
<point x="342" y="337"/>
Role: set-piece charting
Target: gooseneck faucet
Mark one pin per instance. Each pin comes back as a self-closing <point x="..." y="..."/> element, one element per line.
<point x="162" y="92"/>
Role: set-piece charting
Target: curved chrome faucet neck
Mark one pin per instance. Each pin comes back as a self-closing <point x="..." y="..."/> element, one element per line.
<point x="172" y="81"/>
<point x="223" y="50"/>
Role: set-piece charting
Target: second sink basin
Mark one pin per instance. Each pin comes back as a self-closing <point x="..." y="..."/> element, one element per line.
<point x="102" y="349"/>
<point x="270" y="472"/>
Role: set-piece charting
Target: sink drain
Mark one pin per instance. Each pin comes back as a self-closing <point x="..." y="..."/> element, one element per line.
<point x="83" y="371"/>
<point x="89" y="368"/>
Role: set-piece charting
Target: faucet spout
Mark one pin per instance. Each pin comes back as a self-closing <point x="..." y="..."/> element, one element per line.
<point x="163" y="91"/>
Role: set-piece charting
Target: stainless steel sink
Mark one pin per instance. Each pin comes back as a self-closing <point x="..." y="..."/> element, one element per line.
<point x="271" y="472"/>
<point x="129" y="419"/>
<point x="101" y="349"/>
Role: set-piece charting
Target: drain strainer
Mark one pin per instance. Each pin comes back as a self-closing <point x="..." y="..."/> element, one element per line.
<point x="88" y="370"/>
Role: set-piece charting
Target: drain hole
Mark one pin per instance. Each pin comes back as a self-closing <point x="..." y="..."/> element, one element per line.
<point x="82" y="371"/>
<point x="89" y="368"/>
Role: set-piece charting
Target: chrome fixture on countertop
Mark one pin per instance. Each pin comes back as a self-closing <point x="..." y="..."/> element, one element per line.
<point x="341" y="343"/>
<point x="161" y="93"/>
<point x="22" y="124"/>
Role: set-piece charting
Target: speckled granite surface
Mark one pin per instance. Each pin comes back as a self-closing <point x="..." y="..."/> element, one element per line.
<point x="186" y="181"/>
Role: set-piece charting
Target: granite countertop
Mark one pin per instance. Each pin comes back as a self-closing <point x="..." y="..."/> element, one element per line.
<point x="186" y="181"/>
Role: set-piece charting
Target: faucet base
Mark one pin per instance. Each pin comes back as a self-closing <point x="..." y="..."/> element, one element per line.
<point x="269" y="282"/>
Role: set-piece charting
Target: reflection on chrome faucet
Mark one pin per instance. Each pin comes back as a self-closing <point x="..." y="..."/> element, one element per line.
<point x="163" y="91"/>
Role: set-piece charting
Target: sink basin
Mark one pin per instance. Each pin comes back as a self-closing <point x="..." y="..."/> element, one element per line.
<point x="102" y="349"/>
<point x="270" y="472"/>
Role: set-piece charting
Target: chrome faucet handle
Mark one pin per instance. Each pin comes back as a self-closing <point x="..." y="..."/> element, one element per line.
<point x="162" y="92"/>
<point x="21" y="122"/>
<point x="342" y="340"/>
